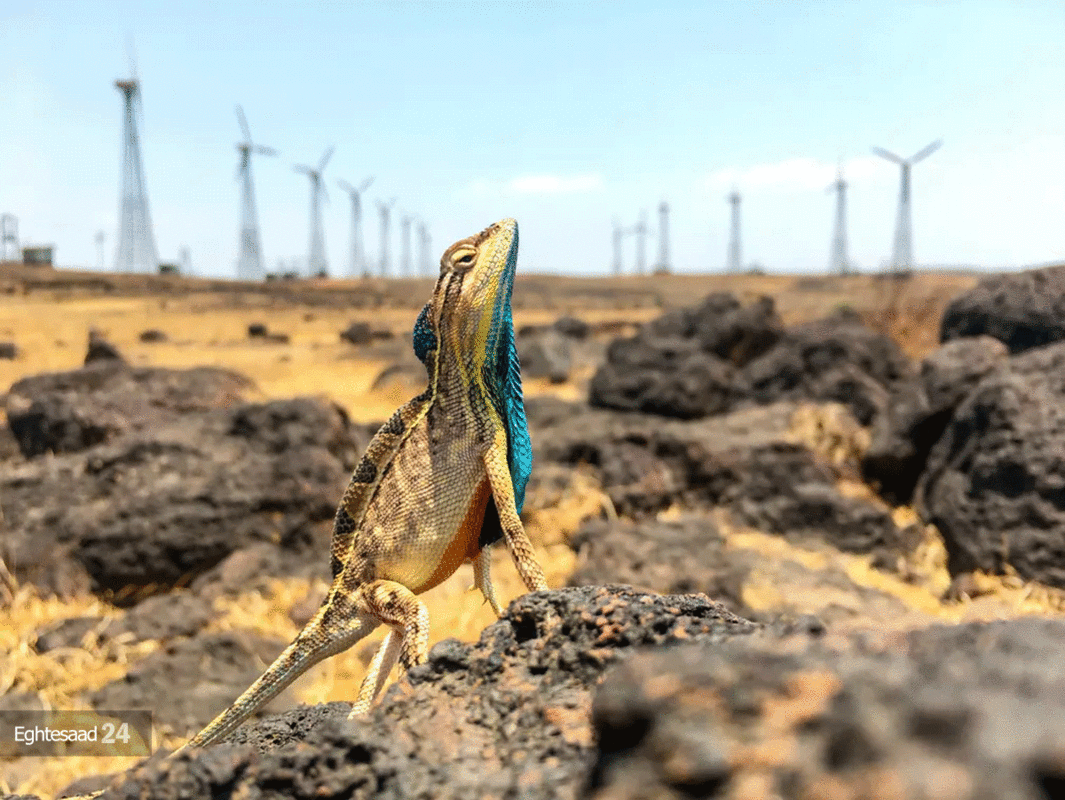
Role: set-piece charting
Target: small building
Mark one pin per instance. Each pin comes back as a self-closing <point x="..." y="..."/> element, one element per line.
<point x="38" y="255"/>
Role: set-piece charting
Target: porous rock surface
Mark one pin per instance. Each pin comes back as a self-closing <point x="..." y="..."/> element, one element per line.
<point x="505" y="717"/>
<point x="994" y="485"/>
<point x="1023" y="310"/>
<point x="159" y="475"/>
<point x="962" y="712"/>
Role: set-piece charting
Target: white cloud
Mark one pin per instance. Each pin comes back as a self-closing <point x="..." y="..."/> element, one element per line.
<point x="793" y="174"/>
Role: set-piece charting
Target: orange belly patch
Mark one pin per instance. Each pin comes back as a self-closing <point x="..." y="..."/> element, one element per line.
<point x="464" y="544"/>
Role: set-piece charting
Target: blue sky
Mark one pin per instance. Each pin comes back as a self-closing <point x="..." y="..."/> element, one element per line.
<point x="561" y="114"/>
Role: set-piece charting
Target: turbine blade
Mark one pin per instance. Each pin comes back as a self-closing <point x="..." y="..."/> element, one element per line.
<point x="265" y="151"/>
<point x="365" y="185"/>
<point x="880" y="151"/>
<point x="926" y="152"/>
<point x="305" y="170"/>
<point x="347" y="187"/>
<point x="243" y="123"/>
<point x="328" y="154"/>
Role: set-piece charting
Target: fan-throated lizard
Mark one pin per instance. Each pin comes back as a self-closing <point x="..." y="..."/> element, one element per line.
<point x="442" y="480"/>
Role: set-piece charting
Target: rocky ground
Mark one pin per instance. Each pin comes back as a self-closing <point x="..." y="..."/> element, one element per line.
<point x="791" y="560"/>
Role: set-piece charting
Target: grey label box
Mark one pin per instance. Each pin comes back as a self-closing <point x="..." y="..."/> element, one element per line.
<point x="75" y="733"/>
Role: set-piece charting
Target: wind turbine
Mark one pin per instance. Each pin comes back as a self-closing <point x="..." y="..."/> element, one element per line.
<point x="316" y="262"/>
<point x="619" y="233"/>
<point x="359" y="266"/>
<point x="838" y="262"/>
<point x="640" y="230"/>
<point x="902" y="257"/>
<point x="250" y="262"/>
<point x="385" y="210"/>
<point x="405" y="252"/>
<point x="734" y="251"/>
<point x="663" y="238"/>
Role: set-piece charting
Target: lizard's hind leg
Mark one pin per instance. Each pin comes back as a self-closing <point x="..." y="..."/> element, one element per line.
<point x="408" y="642"/>
<point x="482" y="579"/>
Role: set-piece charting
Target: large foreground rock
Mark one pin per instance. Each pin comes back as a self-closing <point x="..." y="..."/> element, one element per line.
<point x="1023" y="310"/>
<point x="173" y="483"/>
<point x="995" y="482"/>
<point x="961" y="712"/>
<point x="505" y="717"/>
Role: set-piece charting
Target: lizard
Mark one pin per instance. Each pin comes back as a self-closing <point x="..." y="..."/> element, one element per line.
<point x="441" y="481"/>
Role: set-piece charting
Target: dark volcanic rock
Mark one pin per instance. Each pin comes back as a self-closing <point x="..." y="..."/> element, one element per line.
<point x="153" y="335"/>
<point x="101" y="350"/>
<point x="169" y="616"/>
<point x="969" y="711"/>
<point x="8" y="350"/>
<point x="357" y="333"/>
<point x="178" y="486"/>
<point x="63" y="412"/>
<point x="746" y="461"/>
<point x="709" y="359"/>
<point x="544" y="354"/>
<point x="506" y="717"/>
<point x="836" y="359"/>
<point x="190" y="681"/>
<point x="257" y="330"/>
<point x="1023" y="310"/>
<point x="671" y="377"/>
<point x="920" y="409"/>
<point x="995" y="482"/>
<point x="572" y="327"/>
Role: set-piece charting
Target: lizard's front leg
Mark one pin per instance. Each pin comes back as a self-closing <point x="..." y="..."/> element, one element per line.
<point x="521" y="549"/>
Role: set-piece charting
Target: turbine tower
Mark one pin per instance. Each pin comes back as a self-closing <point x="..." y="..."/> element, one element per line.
<point x="359" y="265"/>
<point x="619" y="232"/>
<point x="734" y="252"/>
<point x="902" y="252"/>
<point x="663" y="238"/>
<point x="136" y="243"/>
<point x="385" y="210"/>
<point x="839" y="263"/>
<point x="250" y="261"/>
<point x="405" y="248"/>
<point x="640" y="229"/>
<point x="425" y="243"/>
<point x="316" y="261"/>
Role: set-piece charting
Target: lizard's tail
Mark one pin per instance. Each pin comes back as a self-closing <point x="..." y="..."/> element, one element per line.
<point x="322" y="637"/>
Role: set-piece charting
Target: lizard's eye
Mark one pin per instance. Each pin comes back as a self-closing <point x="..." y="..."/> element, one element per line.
<point x="464" y="258"/>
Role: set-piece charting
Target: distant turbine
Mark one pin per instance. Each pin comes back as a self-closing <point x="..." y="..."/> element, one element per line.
<point x="640" y="229"/>
<point x="385" y="210"/>
<point x="316" y="261"/>
<point x="359" y="265"/>
<point x="902" y="255"/>
<point x="734" y="253"/>
<point x="136" y="251"/>
<point x="425" y="243"/>
<point x="250" y="261"/>
<point x="100" y="260"/>
<point x="619" y="233"/>
<point x="663" y="238"/>
<point x="405" y="252"/>
<point x="838" y="263"/>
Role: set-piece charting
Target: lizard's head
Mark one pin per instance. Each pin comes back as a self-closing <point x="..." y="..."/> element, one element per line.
<point x="470" y="309"/>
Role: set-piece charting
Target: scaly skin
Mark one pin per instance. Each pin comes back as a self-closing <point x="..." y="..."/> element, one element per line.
<point x="443" y="479"/>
